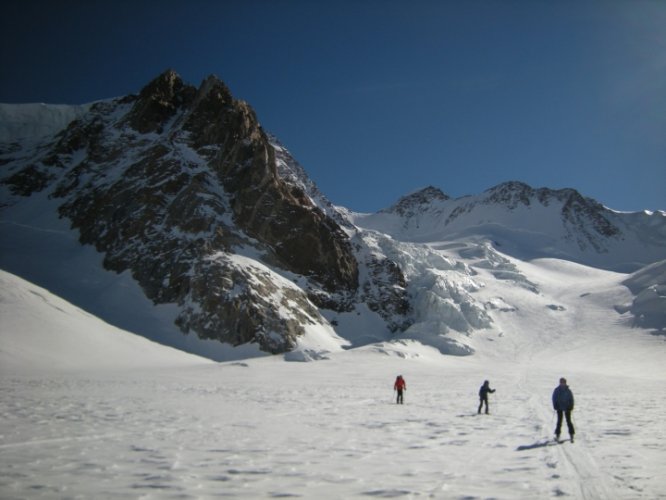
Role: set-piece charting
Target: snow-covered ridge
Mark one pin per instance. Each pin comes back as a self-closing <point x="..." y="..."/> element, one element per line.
<point x="36" y="120"/>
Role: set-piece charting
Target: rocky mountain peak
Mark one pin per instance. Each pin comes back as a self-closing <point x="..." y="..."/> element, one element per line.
<point x="511" y="194"/>
<point x="159" y="101"/>
<point x="216" y="121"/>
<point x="174" y="211"/>
<point x="213" y="85"/>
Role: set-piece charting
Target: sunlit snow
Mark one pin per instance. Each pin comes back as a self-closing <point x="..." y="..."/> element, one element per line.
<point x="90" y="411"/>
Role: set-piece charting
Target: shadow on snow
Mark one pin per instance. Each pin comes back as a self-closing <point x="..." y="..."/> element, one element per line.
<point x="538" y="444"/>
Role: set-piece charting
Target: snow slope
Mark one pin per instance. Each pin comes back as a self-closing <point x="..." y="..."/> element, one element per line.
<point x="32" y="122"/>
<point x="43" y="333"/>
<point x="144" y="421"/>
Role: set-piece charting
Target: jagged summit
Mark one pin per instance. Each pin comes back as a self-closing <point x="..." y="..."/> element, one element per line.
<point x="159" y="101"/>
<point x="511" y="193"/>
<point x="173" y="185"/>
<point x="515" y="193"/>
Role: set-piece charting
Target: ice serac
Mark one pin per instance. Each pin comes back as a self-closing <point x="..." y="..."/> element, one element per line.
<point x="175" y="185"/>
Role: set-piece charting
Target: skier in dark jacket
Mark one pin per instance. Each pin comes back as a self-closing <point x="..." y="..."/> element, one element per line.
<point x="483" y="395"/>
<point x="563" y="404"/>
<point x="399" y="386"/>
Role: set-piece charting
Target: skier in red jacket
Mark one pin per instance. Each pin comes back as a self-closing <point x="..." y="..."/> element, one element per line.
<point x="399" y="386"/>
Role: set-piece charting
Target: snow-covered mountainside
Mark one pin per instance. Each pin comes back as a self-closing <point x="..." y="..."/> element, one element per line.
<point x="179" y="187"/>
<point x="173" y="214"/>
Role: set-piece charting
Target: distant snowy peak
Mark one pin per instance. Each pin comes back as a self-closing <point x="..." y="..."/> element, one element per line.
<point x="513" y="193"/>
<point x="509" y="195"/>
<point x="529" y="223"/>
<point x="575" y="208"/>
<point x="417" y="202"/>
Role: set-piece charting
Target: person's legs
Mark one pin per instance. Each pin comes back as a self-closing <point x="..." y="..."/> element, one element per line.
<point x="558" y="428"/>
<point x="569" y="423"/>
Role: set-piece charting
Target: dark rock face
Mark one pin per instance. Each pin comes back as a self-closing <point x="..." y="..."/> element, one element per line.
<point x="29" y="180"/>
<point x="168" y="184"/>
<point x="243" y="306"/>
<point x="302" y="237"/>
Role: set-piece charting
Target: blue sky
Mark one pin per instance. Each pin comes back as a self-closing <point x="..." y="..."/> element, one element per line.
<point x="379" y="98"/>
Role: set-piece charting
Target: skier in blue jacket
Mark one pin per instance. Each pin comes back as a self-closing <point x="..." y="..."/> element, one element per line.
<point x="563" y="404"/>
<point x="483" y="395"/>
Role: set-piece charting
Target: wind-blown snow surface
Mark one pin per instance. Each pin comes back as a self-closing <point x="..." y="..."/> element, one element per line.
<point x="89" y="411"/>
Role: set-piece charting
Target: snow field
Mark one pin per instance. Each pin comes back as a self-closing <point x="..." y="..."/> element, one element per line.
<point x="329" y="429"/>
<point x="90" y="411"/>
